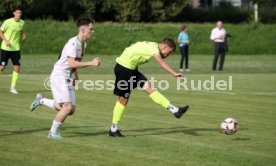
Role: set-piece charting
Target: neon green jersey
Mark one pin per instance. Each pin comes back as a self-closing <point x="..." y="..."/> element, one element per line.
<point x="12" y="31"/>
<point x="137" y="54"/>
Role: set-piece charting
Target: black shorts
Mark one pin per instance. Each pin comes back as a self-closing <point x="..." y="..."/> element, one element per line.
<point x="14" y="55"/>
<point x="127" y="80"/>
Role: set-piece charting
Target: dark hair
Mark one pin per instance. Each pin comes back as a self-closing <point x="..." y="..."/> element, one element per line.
<point x="184" y="27"/>
<point x="170" y="42"/>
<point x="16" y="8"/>
<point x="83" y="21"/>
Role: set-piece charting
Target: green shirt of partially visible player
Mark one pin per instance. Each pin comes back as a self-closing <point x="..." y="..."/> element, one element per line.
<point x="11" y="32"/>
<point x="128" y="77"/>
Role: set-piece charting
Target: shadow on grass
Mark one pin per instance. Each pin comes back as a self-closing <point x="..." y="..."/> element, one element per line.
<point x="144" y="131"/>
<point x="181" y="130"/>
<point x="33" y="91"/>
<point x="128" y="133"/>
<point x="241" y="139"/>
<point x="21" y="132"/>
<point x="172" y="130"/>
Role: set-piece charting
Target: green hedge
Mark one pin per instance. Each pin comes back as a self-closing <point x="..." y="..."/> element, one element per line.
<point x="47" y="37"/>
<point x="227" y="14"/>
<point x="268" y="16"/>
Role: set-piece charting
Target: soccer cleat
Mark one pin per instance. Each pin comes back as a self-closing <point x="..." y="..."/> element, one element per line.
<point x="181" y="111"/>
<point x="36" y="102"/>
<point x="117" y="133"/>
<point x="55" y="135"/>
<point x="13" y="90"/>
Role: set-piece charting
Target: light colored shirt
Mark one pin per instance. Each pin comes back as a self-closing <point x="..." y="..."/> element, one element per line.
<point x="12" y="31"/>
<point x="183" y="37"/>
<point x="137" y="54"/>
<point x="216" y="32"/>
<point x="73" y="49"/>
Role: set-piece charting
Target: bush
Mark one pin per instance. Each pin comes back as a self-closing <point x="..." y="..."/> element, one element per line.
<point x="226" y="14"/>
<point x="48" y="37"/>
<point x="267" y="16"/>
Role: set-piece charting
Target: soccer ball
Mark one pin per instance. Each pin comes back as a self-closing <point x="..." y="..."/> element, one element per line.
<point x="229" y="126"/>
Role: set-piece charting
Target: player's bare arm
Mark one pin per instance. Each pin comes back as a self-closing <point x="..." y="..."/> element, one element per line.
<point x="73" y="63"/>
<point x="23" y="35"/>
<point x="166" y="67"/>
<point x="7" y="42"/>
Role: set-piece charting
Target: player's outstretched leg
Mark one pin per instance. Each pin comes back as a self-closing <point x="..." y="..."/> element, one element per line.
<point x="36" y="102"/>
<point x="40" y="99"/>
<point x="164" y="102"/>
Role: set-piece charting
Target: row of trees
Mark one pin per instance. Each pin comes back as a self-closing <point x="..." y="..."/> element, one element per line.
<point x="102" y="10"/>
<point x="126" y="10"/>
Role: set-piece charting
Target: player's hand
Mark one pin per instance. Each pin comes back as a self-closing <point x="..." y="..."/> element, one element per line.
<point x="7" y="43"/>
<point x="96" y="62"/>
<point x="24" y="36"/>
<point x="75" y="82"/>
<point x="179" y="75"/>
<point x="221" y="37"/>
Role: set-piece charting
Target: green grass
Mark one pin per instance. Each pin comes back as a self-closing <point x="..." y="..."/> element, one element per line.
<point x="48" y="36"/>
<point x="43" y="64"/>
<point x="153" y="135"/>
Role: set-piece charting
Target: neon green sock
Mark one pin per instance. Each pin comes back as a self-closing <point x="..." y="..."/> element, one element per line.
<point x="14" y="78"/>
<point x="118" y="112"/>
<point x="158" y="98"/>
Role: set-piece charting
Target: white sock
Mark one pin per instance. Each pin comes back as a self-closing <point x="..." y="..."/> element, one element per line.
<point x="55" y="126"/>
<point x="114" y="127"/>
<point x="173" y="108"/>
<point x="47" y="102"/>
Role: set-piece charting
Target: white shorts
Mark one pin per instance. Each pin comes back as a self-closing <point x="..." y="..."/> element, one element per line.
<point x="62" y="91"/>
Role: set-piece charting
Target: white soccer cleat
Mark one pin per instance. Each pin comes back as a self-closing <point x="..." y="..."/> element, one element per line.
<point x="13" y="90"/>
<point x="56" y="135"/>
<point x="36" y="102"/>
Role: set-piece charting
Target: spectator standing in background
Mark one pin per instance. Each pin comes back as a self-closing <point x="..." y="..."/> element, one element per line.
<point x="218" y="36"/>
<point x="183" y="40"/>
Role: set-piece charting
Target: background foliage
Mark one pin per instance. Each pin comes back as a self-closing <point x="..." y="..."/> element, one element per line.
<point x="135" y="10"/>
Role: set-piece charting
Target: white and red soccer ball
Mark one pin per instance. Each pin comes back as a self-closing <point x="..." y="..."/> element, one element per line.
<point x="229" y="126"/>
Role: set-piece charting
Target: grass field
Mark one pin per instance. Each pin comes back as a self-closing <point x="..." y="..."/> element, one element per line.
<point x="153" y="135"/>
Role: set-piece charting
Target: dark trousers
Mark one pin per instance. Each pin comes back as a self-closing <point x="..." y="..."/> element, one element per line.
<point x="184" y="56"/>
<point x="219" y="52"/>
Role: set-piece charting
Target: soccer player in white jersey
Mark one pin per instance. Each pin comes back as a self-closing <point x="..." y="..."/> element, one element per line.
<point x="64" y="75"/>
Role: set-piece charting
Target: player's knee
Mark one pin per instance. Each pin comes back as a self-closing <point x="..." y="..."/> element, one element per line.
<point x="68" y="107"/>
<point x="148" y="88"/>
<point x="16" y="68"/>
<point x="123" y="100"/>
<point x="72" y="111"/>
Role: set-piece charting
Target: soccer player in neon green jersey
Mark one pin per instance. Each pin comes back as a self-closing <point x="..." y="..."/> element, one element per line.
<point x="128" y="78"/>
<point x="11" y="32"/>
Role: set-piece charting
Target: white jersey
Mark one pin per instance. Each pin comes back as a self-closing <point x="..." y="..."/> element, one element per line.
<point x="216" y="32"/>
<point x="74" y="49"/>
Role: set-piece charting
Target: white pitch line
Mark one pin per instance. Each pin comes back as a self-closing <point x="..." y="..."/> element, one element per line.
<point x="263" y="93"/>
<point x="234" y="93"/>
